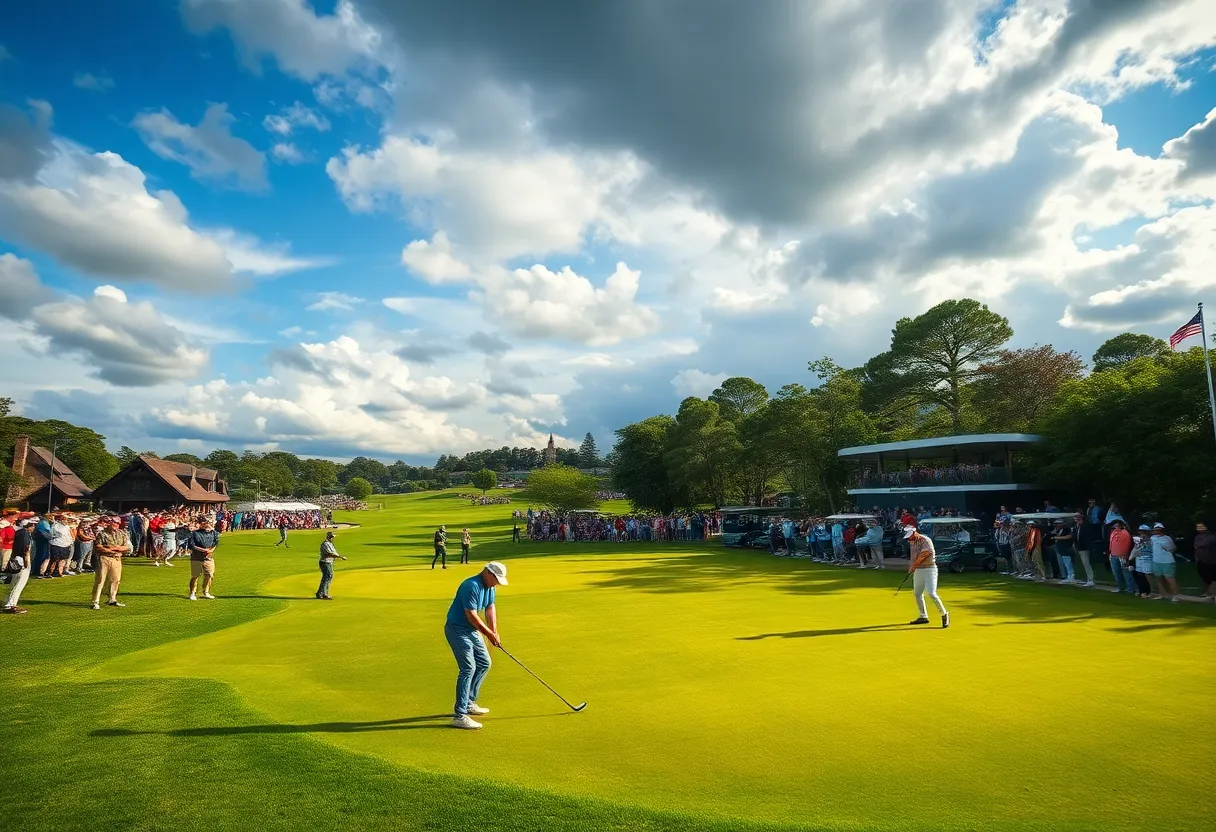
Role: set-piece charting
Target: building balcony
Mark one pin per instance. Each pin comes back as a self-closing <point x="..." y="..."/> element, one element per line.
<point x="922" y="476"/>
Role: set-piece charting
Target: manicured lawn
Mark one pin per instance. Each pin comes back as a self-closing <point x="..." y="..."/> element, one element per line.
<point x="727" y="690"/>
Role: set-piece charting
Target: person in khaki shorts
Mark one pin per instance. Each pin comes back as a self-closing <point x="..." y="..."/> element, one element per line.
<point x="202" y="565"/>
<point x="110" y="545"/>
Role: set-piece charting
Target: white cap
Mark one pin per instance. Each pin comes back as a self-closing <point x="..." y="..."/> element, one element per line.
<point x="1144" y="528"/>
<point x="909" y="531"/>
<point x="498" y="570"/>
<point x="1158" y="525"/>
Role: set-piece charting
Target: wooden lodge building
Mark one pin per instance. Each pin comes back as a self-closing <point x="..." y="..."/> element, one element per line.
<point x="158" y="484"/>
<point x="42" y="479"/>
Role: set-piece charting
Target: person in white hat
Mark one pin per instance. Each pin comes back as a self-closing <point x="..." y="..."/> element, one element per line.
<point x="1164" y="569"/>
<point x="923" y="566"/>
<point x="467" y="632"/>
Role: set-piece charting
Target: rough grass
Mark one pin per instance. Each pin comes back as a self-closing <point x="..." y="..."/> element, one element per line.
<point x="727" y="690"/>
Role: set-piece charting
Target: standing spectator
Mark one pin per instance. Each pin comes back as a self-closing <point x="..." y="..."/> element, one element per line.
<point x="1064" y="544"/>
<point x="111" y="543"/>
<point x="1205" y="559"/>
<point x="515" y="530"/>
<point x="85" y="534"/>
<point x="202" y="564"/>
<point x="466" y="540"/>
<point x="874" y="538"/>
<point x="1086" y="536"/>
<point x="61" y="547"/>
<point x="283" y="532"/>
<point x="328" y="554"/>
<point x="441" y="547"/>
<point x="1034" y="550"/>
<point x="1018" y="533"/>
<point x="1120" y="548"/>
<point x="23" y="554"/>
<point x="1002" y="539"/>
<point x="8" y="531"/>
<point x="1142" y="556"/>
<point x="168" y="540"/>
<point x="135" y="531"/>
<point x="838" y="542"/>
<point x="1164" y="568"/>
<point x="42" y="546"/>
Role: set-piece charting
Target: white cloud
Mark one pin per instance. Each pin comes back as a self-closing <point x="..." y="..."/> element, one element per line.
<point x="328" y="301"/>
<point x="287" y="153"/>
<point x="304" y="43"/>
<point x="294" y="117"/>
<point x="126" y="344"/>
<point x="696" y="383"/>
<point x="433" y="260"/>
<point x="96" y="83"/>
<point x="209" y="149"/>
<point x="1196" y="149"/>
<point x="250" y="255"/>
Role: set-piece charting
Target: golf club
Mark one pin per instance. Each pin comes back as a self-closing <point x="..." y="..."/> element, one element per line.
<point x="904" y="581"/>
<point x="543" y="682"/>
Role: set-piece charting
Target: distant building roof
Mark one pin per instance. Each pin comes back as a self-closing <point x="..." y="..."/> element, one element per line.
<point x="970" y="443"/>
<point x="188" y="480"/>
<point x="37" y="474"/>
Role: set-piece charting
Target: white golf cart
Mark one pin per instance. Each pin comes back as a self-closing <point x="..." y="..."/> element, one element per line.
<point x="955" y="540"/>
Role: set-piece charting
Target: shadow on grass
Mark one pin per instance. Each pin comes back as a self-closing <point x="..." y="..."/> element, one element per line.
<point x="408" y="723"/>
<point x="842" y="631"/>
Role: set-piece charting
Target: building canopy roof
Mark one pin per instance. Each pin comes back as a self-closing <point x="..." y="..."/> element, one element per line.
<point x="38" y="474"/>
<point x="944" y="446"/>
<point x="263" y="505"/>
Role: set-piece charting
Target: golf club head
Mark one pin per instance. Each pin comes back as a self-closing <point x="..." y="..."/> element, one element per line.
<point x="578" y="708"/>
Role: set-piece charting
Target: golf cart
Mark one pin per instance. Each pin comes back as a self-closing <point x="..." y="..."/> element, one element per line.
<point x="748" y="526"/>
<point x="954" y="538"/>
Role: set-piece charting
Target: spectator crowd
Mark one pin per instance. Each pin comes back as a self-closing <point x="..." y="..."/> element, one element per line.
<point x="591" y="526"/>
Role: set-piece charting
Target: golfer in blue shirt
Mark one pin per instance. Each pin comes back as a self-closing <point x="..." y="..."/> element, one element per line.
<point x="466" y="632"/>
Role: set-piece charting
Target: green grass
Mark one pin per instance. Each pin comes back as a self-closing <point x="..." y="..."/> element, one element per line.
<point x="727" y="690"/>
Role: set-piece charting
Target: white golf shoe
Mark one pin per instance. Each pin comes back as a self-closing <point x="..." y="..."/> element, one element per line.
<point x="477" y="710"/>
<point x="467" y="722"/>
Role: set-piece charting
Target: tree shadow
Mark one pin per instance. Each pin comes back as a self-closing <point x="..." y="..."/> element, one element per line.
<point x="842" y="631"/>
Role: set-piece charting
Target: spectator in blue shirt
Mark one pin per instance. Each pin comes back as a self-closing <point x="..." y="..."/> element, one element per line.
<point x="467" y="632"/>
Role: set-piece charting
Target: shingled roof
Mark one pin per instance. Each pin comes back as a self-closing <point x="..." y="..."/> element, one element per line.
<point x="188" y="480"/>
<point x="38" y="473"/>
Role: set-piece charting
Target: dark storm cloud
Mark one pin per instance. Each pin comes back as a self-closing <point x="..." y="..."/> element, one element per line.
<point x="731" y="98"/>
<point x="25" y="141"/>
<point x="487" y="343"/>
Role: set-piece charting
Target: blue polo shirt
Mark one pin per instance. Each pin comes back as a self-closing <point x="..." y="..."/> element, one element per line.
<point x="472" y="594"/>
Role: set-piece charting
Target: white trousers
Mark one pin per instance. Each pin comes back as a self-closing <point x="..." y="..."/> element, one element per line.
<point x="19" y="581"/>
<point x="876" y="550"/>
<point x="925" y="581"/>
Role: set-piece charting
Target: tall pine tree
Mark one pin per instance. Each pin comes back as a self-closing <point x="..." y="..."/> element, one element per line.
<point x="588" y="453"/>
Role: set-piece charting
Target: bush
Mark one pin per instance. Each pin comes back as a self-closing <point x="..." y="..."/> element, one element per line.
<point x="358" y="488"/>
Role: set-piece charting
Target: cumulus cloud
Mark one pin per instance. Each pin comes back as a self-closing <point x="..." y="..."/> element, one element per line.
<point x="294" y="117"/>
<point x="287" y="153"/>
<point x="95" y="83"/>
<point x="1196" y="149"/>
<point x="304" y="43"/>
<point x="488" y="343"/>
<point x="94" y="212"/>
<point x="433" y="260"/>
<point x="126" y="344"/>
<point x="209" y="149"/>
<point x="696" y="383"/>
<point x="25" y="140"/>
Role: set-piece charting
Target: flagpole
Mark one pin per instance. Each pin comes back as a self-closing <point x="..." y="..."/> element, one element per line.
<point x="1207" y="360"/>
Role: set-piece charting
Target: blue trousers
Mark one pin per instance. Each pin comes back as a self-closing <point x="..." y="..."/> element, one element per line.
<point x="1124" y="580"/>
<point x="473" y="659"/>
<point x="327" y="577"/>
<point x="1064" y="558"/>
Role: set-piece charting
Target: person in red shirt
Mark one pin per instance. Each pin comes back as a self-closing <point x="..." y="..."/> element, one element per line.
<point x="8" y="530"/>
<point x="1120" y="546"/>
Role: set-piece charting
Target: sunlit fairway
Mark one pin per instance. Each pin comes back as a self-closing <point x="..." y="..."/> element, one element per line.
<point x="724" y="687"/>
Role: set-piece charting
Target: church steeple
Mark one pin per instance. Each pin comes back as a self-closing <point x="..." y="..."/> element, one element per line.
<point x="550" y="452"/>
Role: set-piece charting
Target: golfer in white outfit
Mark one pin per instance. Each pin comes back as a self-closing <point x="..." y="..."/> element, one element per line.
<point x="923" y="566"/>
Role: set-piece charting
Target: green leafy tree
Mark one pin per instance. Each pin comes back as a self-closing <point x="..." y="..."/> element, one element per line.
<point x="484" y="480"/>
<point x="358" y="488"/>
<point x="125" y="456"/>
<point x="321" y="472"/>
<point x="702" y="449"/>
<point x="934" y="358"/>
<point x="562" y="488"/>
<point x="307" y="491"/>
<point x="1012" y="389"/>
<point x="589" y="453"/>
<point x="1138" y="432"/>
<point x="188" y="459"/>
<point x="739" y="397"/>
<point x="372" y="470"/>
<point x="1129" y="346"/>
<point x="225" y="462"/>
<point x="638" y="466"/>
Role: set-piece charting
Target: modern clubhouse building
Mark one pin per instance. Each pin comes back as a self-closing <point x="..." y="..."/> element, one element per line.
<point x="973" y="473"/>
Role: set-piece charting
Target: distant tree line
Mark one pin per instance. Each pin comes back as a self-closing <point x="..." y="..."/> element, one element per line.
<point x="1135" y="429"/>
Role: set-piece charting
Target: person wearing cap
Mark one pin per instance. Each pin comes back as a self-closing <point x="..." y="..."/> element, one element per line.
<point x="467" y="632"/>
<point x="441" y="546"/>
<point x="1120" y="548"/>
<point x="328" y="554"/>
<point x="168" y="540"/>
<point x="8" y="531"/>
<point x="1163" y="548"/>
<point x="923" y="566"/>
<point x="85" y="534"/>
<point x="1142" y="557"/>
<point x="22" y="553"/>
<point x="202" y="564"/>
<point x="60" y="546"/>
<point x="1063" y="537"/>
<point x="111" y="543"/>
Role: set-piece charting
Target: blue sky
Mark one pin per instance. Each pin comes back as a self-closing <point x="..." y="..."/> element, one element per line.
<point x="406" y="229"/>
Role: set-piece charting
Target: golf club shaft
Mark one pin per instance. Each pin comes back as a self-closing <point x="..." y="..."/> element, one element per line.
<point x="537" y="678"/>
<point x="904" y="581"/>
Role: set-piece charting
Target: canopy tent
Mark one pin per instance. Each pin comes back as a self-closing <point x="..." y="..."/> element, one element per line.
<point x="265" y="506"/>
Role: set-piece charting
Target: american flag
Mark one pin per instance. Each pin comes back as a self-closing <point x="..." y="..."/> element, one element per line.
<point x="1192" y="327"/>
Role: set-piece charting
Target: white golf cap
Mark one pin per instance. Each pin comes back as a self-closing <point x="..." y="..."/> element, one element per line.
<point x="1158" y="525"/>
<point x="909" y="531"/>
<point x="1144" y="528"/>
<point x="498" y="570"/>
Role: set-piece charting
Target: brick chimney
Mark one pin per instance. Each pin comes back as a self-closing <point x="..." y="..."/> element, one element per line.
<point x="21" y="450"/>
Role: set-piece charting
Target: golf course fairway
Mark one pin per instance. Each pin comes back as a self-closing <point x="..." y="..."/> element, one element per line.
<point x="727" y="689"/>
